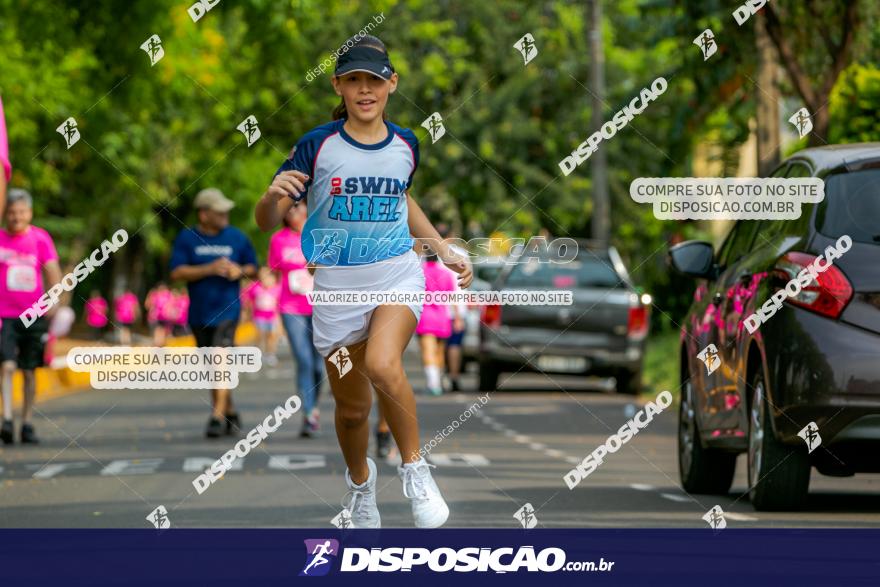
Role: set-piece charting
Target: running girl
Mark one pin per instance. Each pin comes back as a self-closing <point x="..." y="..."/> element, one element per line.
<point x="287" y="260"/>
<point x="357" y="172"/>
<point x="125" y="312"/>
<point x="264" y="295"/>
<point x="96" y="314"/>
<point x="435" y="325"/>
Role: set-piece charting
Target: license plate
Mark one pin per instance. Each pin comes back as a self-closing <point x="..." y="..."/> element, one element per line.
<point x="566" y="364"/>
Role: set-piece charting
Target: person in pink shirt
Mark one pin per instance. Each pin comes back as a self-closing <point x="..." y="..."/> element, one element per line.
<point x="5" y="162"/>
<point x="157" y="309"/>
<point x="264" y="295"/>
<point x="435" y="325"/>
<point x="96" y="314"/>
<point x="125" y="312"/>
<point x="287" y="260"/>
<point x="181" y="311"/>
<point x="28" y="265"/>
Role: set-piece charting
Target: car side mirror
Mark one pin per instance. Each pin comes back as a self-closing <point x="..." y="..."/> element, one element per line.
<point x="694" y="258"/>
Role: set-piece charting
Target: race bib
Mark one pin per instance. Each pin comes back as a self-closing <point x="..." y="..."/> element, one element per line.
<point x="21" y="278"/>
<point x="300" y="281"/>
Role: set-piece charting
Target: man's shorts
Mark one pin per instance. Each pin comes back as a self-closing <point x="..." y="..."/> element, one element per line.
<point x="456" y="338"/>
<point x="23" y="345"/>
<point x="221" y="334"/>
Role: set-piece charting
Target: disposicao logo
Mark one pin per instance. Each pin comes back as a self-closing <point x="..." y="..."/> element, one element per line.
<point x="320" y="554"/>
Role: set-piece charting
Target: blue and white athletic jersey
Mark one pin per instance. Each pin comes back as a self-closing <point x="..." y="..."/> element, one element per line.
<point x="356" y="194"/>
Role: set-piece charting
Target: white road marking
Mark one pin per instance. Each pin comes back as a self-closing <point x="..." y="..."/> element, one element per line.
<point x="297" y="462"/>
<point x="132" y="467"/>
<point x="556" y="454"/>
<point x="642" y="487"/>
<point x="199" y="464"/>
<point x="521" y="438"/>
<point x="676" y="497"/>
<point x="537" y="446"/>
<point x="572" y="460"/>
<point x="53" y="469"/>
<point x="458" y="460"/>
<point x="740" y="517"/>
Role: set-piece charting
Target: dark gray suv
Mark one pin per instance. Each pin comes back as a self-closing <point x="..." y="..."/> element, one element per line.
<point x="602" y="333"/>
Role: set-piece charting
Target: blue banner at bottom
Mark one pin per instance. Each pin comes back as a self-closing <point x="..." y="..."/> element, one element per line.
<point x="465" y="556"/>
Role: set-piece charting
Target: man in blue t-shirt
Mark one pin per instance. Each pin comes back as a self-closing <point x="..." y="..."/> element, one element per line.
<point x="212" y="257"/>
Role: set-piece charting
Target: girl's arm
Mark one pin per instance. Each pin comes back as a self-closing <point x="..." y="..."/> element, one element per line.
<point x="276" y="202"/>
<point x="421" y="228"/>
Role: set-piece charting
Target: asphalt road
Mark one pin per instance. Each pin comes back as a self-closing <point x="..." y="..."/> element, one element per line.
<point x="108" y="458"/>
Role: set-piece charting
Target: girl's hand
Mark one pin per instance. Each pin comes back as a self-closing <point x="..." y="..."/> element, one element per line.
<point x="460" y="265"/>
<point x="289" y="184"/>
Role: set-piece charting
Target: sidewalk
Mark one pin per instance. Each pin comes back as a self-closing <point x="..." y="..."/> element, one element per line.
<point x="58" y="380"/>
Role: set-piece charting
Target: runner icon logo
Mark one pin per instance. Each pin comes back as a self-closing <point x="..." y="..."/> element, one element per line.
<point x="810" y="434"/>
<point x="802" y="122"/>
<point x="706" y="42"/>
<point x="526" y="516"/>
<point x="153" y="48"/>
<point x="343" y="520"/>
<point x="69" y="131"/>
<point x="434" y="124"/>
<point x="159" y="518"/>
<point x="710" y="358"/>
<point x="342" y="360"/>
<point x="320" y="553"/>
<point x="526" y="46"/>
<point x="715" y="518"/>
<point x="250" y="130"/>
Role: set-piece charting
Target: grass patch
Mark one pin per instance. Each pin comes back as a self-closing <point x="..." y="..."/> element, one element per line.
<point x="660" y="370"/>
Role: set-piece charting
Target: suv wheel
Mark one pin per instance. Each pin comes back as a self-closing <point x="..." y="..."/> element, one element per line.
<point x="779" y="474"/>
<point x="702" y="470"/>
<point x="489" y="373"/>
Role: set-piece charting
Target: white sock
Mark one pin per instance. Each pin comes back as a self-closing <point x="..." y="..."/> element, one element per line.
<point x="432" y="373"/>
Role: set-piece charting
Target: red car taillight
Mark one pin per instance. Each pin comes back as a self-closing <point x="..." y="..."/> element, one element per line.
<point x="637" y="323"/>
<point x="827" y="294"/>
<point x="491" y="316"/>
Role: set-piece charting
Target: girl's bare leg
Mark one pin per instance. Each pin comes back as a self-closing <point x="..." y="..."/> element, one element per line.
<point x="391" y="328"/>
<point x="354" y="397"/>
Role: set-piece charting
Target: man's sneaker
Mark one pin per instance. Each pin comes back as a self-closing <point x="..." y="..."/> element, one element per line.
<point x="215" y="428"/>
<point x="6" y="432"/>
<point x="428" y="507"/>
<point x="233" y="424"/>
<point x="310" y="427"/>
<point x="28" y="436"/>
<point x="361" y="500"/>
<point x="383" y="444"/>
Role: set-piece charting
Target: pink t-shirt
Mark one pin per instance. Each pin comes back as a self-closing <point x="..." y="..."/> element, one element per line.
<point x="158" y="302"/>
<point x="22" y="257"/>
<point x="96" y="312"/>
<point x="4" y="145"/>
<point x="265" y="300"/>
<point x="286" y="256"/>
<point x="124" y="307"/>
<point x="435" y="317"/>
<point x="182" y="307"/>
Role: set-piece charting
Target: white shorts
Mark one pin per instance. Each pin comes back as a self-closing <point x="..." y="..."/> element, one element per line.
<point x="336" y="326"/>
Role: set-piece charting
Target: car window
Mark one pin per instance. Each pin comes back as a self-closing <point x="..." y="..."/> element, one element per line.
<point x="739" y="242"/>
<point x="583" y="271"/>
<point x="798" y="169"/>
<point x="851" y="206"/>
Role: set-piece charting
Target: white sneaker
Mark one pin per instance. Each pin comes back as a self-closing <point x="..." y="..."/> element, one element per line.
<point x="360" y="500"/>
<point x="429" y="509"/>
